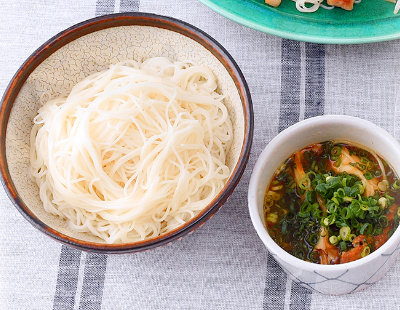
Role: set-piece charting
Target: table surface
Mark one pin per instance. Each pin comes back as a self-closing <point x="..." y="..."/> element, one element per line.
<point x="223" y="265"/>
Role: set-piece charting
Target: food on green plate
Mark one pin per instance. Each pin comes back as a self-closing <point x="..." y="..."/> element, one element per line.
<point x="332" y="203"/>
<point x="344" y="4"/>
<point x="397" y="7"/>
<point x="309" y="6"/>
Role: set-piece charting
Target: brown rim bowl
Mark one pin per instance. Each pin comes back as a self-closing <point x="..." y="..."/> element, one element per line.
<point x="83" y="49"/>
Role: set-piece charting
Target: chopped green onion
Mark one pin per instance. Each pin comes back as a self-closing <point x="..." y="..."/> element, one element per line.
<point x="282" y="176"/>
<point x="365" y="251"/>
<point x="282" y="212"/>
<point x="272" y="218"/>
<point x="334" y="157"/>
<point x="352" y="237"/>
<point x="364" y="206"/>
<point x="332" y="208"/>
<point x="343" y="245"/>
<point x="345" y="233"/>
<point x="290" y="216"/>
<point x="329" y="220"/>
<point x="347" y="199"/>
<point x="368" y="175"/>
<point x="305" y="183"/>
<point x="314" y="256"/>
<point x="313" y="165"/>
<point x="345" y="213"/>
<point x="297" y="235"/>
<point x="277" y="187"/>
<point x="378" y="231"/>
<point x="336" y="151"/>
<point x="333" y="182"/>
<point x="299" y="254"/>
<point x="268" y="201"/>
<point x="310" y="197"/>
<point x="364" y="160"/>
<point x="389" y="198"/>
<point x="355" y="224"/>
<point x="366" y="229"/>
<point x="396" y="185"/>
<point x="335" y="200"/>
<point x="359" y="166"/>
<point x="370" y="165"/>
<point x="383" y="203"/>
<point x="313" y="239"/>
<point x="311" y="173"/>
<point x="333" y="240"/>
<point x="340" y="193"/>
<point x="362" y="153"/>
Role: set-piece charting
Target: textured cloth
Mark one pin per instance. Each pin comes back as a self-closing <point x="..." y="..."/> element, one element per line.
<point x="223" y="265"/>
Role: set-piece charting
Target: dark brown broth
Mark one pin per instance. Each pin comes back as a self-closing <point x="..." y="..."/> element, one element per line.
<point x="286" y="203"/>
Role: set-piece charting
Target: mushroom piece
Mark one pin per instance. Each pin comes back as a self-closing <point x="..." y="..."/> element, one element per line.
<point x="346" y="158"/>
<point x="329" y="254"/>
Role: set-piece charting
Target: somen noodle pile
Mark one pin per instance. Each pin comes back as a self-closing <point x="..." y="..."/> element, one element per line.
<point x="134" y="151"/>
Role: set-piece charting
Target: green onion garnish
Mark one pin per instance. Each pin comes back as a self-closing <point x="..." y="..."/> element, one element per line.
<point x="336" y="151"/>
<point x="305" y="183"/>
<point x="366" y="229"/>
<point x="368" y="175"/>
<point x="345" y="233"/>
<point x="333" y="240"/>
<point x="365" y="251"/>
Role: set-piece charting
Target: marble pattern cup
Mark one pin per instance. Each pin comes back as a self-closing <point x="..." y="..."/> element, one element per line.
<point x="326" y="279"/>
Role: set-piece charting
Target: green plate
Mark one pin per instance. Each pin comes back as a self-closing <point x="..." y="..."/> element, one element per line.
<point x="369" y="21"/>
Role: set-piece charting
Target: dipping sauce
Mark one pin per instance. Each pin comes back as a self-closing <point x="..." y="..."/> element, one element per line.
<point x="332" y="202"/>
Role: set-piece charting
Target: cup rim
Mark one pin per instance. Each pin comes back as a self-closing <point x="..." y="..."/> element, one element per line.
<point x="273" y="247"/>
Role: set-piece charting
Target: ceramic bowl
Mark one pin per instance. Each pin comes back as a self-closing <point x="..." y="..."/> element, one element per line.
<point x="92" y="46"/>
<point x="326" y="279"/>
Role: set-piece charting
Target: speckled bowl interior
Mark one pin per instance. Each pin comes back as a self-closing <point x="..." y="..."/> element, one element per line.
<point x="92" y="52"/>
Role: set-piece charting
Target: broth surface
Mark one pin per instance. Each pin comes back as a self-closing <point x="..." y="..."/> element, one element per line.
<point x="332" y="203"/>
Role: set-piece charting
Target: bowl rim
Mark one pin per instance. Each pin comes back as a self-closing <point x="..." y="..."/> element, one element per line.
<point x="97" y="24"/>
<point x="273" y="247"/>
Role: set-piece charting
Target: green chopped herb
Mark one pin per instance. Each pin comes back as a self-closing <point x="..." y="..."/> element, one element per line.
<point x="368" y="175"/>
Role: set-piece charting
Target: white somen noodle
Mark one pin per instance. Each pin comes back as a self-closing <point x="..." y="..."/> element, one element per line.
<point x="397" y="7"/>
<point x="309" y="6"/>
<point x="134" y="151"/>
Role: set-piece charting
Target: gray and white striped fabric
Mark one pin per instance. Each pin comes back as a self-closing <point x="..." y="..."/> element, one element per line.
<point x="223" y="265"/>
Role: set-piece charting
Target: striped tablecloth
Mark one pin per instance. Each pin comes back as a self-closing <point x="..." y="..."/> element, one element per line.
<point x="223" y="265"/>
